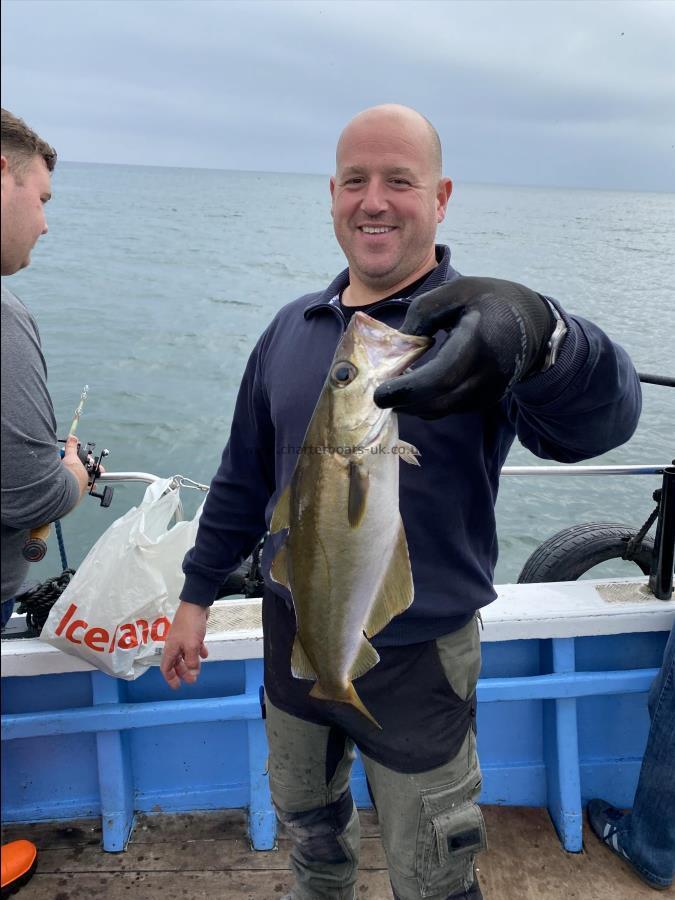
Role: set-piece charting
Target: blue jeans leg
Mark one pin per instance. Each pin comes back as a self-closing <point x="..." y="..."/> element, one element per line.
<point x="7" y="609"/>
<point x="649" y="830"/>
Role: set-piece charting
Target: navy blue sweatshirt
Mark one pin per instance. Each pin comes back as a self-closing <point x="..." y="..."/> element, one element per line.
<point x="584" y="405"/>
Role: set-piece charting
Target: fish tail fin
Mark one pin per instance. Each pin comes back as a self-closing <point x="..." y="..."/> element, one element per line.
<point x="350" y="696"/>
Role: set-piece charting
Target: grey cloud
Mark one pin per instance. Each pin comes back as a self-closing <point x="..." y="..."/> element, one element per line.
<point x="555" y="92"/>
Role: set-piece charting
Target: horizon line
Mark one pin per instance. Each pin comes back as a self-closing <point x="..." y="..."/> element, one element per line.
<point x="456" y="182"/>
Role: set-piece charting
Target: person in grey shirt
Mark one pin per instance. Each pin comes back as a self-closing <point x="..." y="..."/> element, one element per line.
<point x="38" y="486"/>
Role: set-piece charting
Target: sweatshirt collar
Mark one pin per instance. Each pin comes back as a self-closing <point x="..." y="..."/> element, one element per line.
<point x="436" y="277"/>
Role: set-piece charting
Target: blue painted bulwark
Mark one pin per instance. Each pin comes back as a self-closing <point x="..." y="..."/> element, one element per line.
<point x="561" y="744"/>
<point x="115" y="777"/>
<point x="261" y="817"/>
<point x="83" y="744"/>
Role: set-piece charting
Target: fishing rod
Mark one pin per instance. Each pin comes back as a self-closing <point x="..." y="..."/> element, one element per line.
<point x="35" y="547"/>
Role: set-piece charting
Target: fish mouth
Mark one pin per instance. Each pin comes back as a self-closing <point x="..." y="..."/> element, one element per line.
<point x="389" y="351"/>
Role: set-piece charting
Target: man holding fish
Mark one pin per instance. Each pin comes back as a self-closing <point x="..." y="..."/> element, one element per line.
<point x="372" y="587"/>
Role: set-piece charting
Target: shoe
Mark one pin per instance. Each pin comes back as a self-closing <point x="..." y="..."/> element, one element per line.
<point x="604" y="820"/>
<point x="19" y="861"/>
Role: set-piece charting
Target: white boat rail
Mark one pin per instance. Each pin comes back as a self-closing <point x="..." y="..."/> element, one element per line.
<point x="654" y="469"/>
<point x="586" y="470"/>
<point x="117" y="477"/>
<point x="149" y="478"/>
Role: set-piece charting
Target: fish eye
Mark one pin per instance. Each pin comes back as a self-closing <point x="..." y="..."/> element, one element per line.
<point x="343" y="373"/>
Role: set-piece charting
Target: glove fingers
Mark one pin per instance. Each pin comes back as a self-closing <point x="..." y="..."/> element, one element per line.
<point x="433" y="311"/>
<point x="473" y="395"/>
<point x="436" y="378"/>
<point x="415" y="387"/>
<point x="429" y="411"/>
<point x="442" y="307"/>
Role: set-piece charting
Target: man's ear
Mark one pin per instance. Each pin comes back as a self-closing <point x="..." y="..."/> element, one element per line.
<point x="442" y="196"/>
<point x="331" y="185"/>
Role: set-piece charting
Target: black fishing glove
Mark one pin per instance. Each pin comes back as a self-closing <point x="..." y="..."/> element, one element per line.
<point x="498" y="334"/>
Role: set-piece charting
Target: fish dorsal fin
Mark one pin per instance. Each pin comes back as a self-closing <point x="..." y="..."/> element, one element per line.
<point x="358" y="494"/>
<point x="281" y="517"/>
<point x="366" y="658"/>
<point x="279" y="567"/>
<point x="396" y="591"/>
<point x="301" y="667"/>
<point x="408" y="453"/>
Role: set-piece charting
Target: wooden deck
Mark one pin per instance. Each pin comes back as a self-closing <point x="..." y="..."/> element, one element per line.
<point x="195" y="856"/>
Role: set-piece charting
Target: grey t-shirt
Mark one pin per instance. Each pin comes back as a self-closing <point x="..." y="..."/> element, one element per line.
<point x="36" y="486"/>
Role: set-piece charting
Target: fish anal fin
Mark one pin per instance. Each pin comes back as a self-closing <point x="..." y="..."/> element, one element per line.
<point x="366" y="658"/>
<point x="301" y="667"/>
<point x="396" y="591"/>
<point x="279" y="567"/>
<point x="408" y="453"/>
<point x="281" y="517"/>
<point x="358" y="494"/>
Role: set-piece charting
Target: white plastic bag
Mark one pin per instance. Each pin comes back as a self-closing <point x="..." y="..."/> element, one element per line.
<point x="117" y="609"/>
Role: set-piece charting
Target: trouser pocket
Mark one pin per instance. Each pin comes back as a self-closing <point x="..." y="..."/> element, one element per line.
<point x="451" y="832"/>
<point x="460" y="657"/>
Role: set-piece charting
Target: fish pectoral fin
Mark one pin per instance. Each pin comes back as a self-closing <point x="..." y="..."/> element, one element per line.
<point x="396" y="591"/>
<point x="279" y="567"/>
<point x="366" y="658"/>
<point x="281" y="517"/>
<point x="358" y="494"/>
<point x="301" y="667"/>
<point x="408" y="453"/>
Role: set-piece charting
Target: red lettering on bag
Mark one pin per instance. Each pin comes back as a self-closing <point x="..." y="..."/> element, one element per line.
<point x="112" y="643"/>
<point x="128" y="639"/>
<point x="165" y="624"/>
<point x="78" y="623"/>
<point x="96" y="635"/>
<point x="70" y="612"/>
<point x="98" y="639"/>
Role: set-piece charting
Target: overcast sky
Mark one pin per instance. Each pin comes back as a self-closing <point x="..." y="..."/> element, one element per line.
<point x="570" y="93"/>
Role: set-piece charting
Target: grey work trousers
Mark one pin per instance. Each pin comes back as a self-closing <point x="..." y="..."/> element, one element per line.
<point x="430" y="825"/>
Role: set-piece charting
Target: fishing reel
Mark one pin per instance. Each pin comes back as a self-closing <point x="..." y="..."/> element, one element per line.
<point x="92" y="464"/>
<point x="35" y="547"/>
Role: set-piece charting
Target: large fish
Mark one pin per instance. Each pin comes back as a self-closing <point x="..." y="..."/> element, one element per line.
<point x="345" y="558"/>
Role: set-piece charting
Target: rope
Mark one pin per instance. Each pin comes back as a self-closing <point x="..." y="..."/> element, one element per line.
<point x="37" y="604"/>
<point x="62" y="546"/>
<point x="633" y="545"/>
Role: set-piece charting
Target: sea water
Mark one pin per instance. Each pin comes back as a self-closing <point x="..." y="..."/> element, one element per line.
<point x="154" y="284"/>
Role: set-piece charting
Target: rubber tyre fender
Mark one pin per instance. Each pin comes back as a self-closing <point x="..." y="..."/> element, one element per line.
<point x="570" y="553"/>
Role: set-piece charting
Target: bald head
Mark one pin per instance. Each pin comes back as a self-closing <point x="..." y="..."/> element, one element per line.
<point x="414" y="125"/>
<point x="388" y="198"/>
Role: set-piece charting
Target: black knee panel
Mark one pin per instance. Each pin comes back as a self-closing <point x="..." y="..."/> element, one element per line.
<point x="316" y="831"/>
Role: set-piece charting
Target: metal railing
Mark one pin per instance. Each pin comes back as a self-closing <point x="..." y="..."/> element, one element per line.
<point x="663" y="560"/>
<point x="585" y="470"/>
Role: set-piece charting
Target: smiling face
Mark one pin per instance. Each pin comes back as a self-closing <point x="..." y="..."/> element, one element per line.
<point x="388" y="197"/>
<point x="25" y="191"/>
